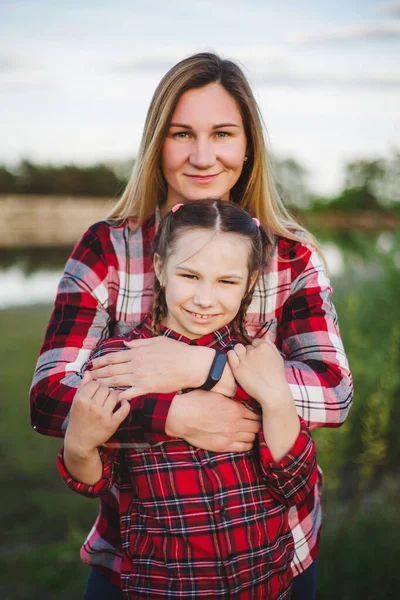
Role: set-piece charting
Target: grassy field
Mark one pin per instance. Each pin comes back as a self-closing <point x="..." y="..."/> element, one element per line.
<point x="43" y="523"/>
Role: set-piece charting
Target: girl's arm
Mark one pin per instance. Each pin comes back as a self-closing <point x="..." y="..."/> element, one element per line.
<point x="287" y="451"/>
<point x="94" y="417"/>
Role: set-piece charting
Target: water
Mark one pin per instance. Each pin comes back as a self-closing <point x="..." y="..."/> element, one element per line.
<point x="30" y="277"/>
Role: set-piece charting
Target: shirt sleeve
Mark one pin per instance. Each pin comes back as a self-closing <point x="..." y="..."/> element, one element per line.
<point x="110" y="463"/>
<point x="308" y="335"/>
<point x="148" y="413"/>
<point x="291" y="479"/>
<point x="83" y="314"/>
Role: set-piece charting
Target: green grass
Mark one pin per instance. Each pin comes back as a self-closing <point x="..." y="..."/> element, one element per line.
<point x="43" y="523"/>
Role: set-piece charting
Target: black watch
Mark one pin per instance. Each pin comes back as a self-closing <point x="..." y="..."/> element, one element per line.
<point x="217" y="368"/>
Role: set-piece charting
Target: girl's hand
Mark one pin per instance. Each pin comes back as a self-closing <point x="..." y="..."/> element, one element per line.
<point x="212" y="422"/>
<point x="259" y="369"/>
<point x="92" y="419"/>
<point x="156" y="365"/>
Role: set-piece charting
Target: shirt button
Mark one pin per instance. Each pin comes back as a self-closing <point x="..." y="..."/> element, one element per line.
<point x="222" y="513"/>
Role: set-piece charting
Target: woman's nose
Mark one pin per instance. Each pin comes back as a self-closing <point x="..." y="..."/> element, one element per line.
<point x="202" y="155"/>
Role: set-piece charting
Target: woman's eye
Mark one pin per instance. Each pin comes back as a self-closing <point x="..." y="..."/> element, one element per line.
<point x="222" y="134"/>
<point x="181" y="135"/>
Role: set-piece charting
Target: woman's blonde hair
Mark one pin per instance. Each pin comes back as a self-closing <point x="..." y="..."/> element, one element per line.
<point x="255" y="190"/>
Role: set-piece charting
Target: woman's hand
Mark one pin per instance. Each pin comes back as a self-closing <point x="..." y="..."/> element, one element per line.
<point x="159" y="365"/>
<point x="92" y="419"/>
<point x="212" y="422"/>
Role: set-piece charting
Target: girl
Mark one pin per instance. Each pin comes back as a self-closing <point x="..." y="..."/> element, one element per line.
<point x="194" y="523"/>
<point x="203" y="138"/>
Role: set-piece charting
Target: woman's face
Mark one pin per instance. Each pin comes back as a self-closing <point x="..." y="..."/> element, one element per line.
<point x="203" y="153"/>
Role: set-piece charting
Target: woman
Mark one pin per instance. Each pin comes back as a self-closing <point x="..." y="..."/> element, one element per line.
<point x="196" y="524"/>
<point x="202" y="138"/>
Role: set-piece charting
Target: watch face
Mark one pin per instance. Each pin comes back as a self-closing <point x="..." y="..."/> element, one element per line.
<point x="218" y="367"/>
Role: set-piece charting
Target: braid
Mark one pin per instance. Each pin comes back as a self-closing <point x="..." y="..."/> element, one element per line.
<point x="241" y="316"/>
<point x="159" y="308"/>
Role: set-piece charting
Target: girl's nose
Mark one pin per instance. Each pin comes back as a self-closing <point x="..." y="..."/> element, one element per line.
<point x="202" y="155"/>
<point x="204" y="296"/>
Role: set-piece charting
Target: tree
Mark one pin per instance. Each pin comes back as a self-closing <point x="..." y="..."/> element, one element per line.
<point x="292" y="182"/>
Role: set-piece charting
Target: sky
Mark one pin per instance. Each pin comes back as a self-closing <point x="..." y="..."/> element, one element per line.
<point x="76" y="77"/>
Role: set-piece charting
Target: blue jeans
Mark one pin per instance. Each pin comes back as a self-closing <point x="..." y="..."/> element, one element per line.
<point x="305" y="584"/>
<point x="99" y="587"/>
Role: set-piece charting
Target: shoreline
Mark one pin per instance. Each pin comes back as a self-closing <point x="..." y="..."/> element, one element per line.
<point x="29" y="221"/>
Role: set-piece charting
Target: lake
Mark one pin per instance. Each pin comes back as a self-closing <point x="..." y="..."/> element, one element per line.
<point x="30" y="276"/>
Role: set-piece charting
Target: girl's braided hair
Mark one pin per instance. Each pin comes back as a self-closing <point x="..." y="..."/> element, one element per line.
<point x="219" y="216"/>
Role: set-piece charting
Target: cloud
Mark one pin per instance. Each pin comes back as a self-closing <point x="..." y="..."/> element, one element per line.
<point x="17" y="75"/>
<point x="9" y="63"/>
<point x="249" y="57"/>
<point x="391" y="9"/>
<point x="295" y="79"/>
<point x="143" y="65"/>
<point x="383" y="31"/>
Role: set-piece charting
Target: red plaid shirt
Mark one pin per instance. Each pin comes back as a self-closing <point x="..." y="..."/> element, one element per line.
<point x="107" y="288"/>
<point x="196" y="523"/>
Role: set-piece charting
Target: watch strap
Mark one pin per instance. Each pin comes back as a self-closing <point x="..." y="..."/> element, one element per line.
<point x="216" y="370"/>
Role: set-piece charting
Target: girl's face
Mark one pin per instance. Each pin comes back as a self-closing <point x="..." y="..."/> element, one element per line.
<point x="203" y="153"/>
<point x="205" y="279"/>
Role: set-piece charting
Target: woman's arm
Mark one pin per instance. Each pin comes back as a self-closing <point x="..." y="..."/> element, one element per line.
<point x="308" y="335"/>
<point x="82" y="315"/>
<point x="207" y="420"/>
<point x="159" y="365"/>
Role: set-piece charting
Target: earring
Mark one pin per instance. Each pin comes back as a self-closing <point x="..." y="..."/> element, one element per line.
<point x="246" y="158"/>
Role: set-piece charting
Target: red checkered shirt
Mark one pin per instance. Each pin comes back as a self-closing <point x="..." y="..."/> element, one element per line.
<point x="202" y="524"/>
<point x="107" y="288"/>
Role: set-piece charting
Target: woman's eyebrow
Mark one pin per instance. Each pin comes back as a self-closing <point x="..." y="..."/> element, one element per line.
<point x="225" y="125"/>
<point x="180" y="125"/>
<point x="214" y="126"/>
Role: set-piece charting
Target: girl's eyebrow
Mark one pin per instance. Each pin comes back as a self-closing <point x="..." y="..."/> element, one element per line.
<point x="230" y="276"/>
<point x="219" y="126"/>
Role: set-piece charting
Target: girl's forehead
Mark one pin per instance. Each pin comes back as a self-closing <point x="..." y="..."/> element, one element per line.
<point x="207" y="248"/>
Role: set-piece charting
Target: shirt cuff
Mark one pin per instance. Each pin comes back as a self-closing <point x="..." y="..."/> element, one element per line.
<point x="92" y="491"/>
<point x="290" y="461"/>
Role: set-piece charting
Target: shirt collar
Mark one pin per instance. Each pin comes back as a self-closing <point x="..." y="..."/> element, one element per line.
<point x="223" y="337"/>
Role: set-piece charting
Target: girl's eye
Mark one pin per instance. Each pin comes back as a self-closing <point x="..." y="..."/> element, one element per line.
<point x="228" y="282"/>
<point x="222" y="134"/>
<point x="188" y="276"/>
